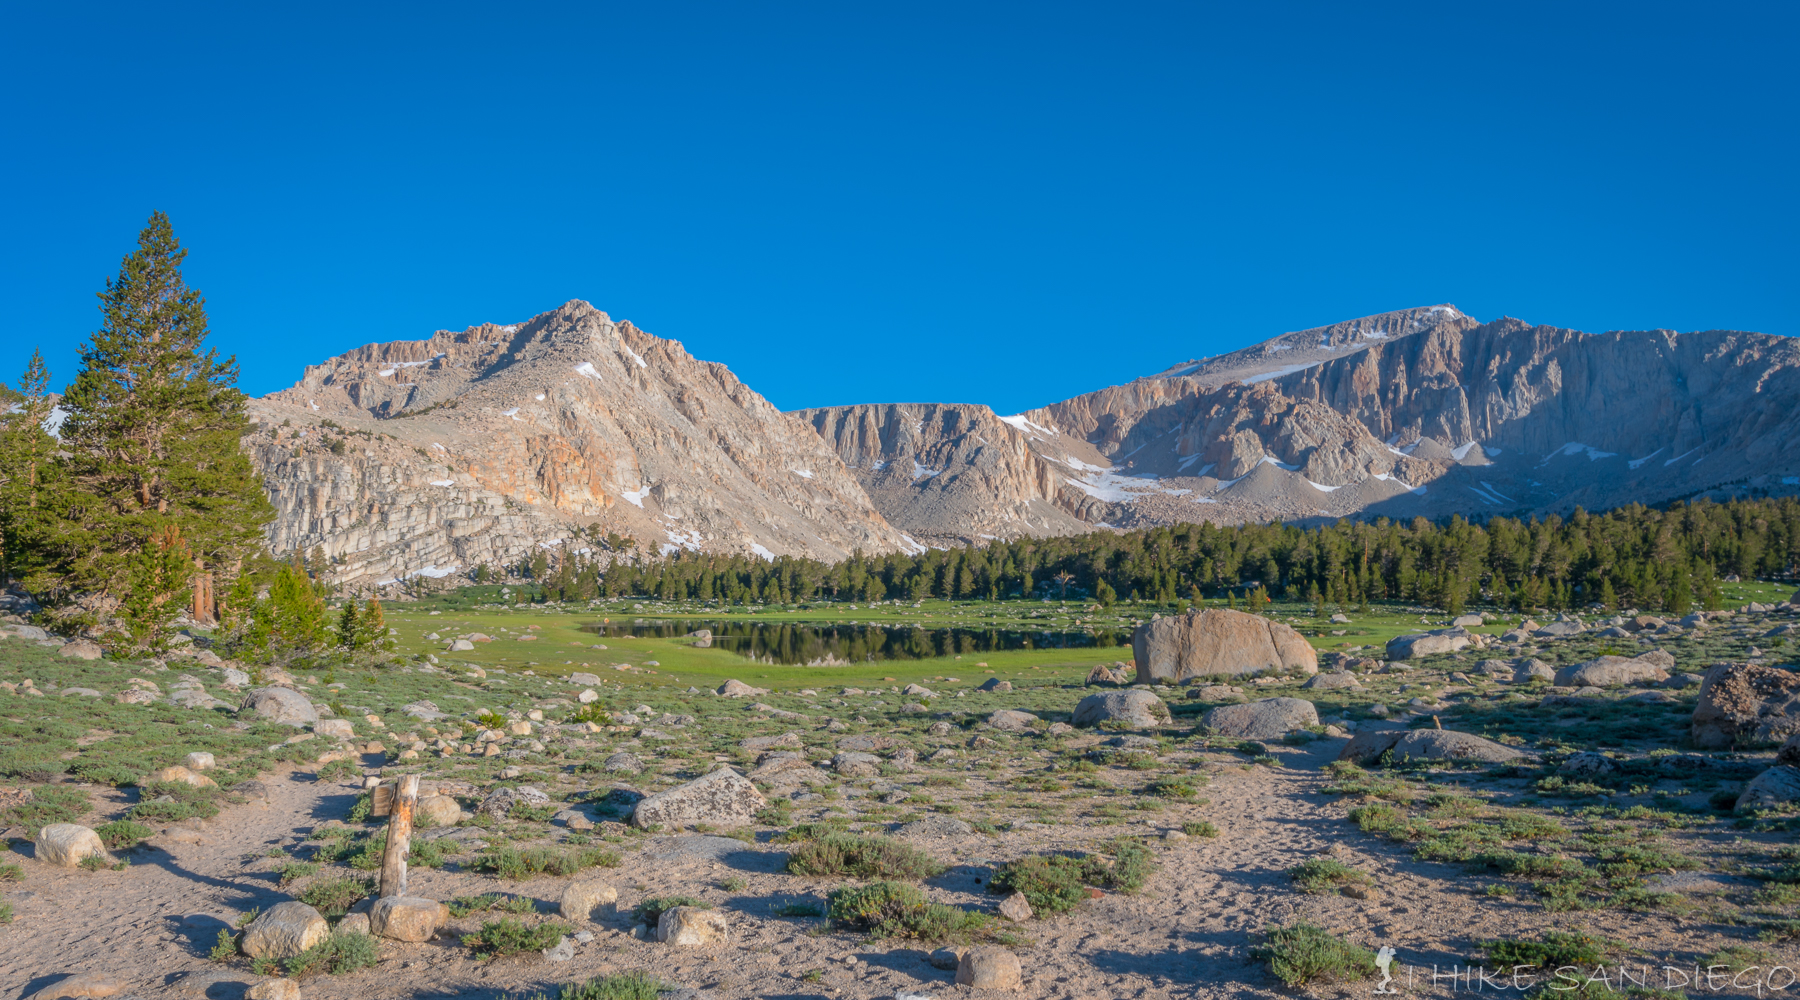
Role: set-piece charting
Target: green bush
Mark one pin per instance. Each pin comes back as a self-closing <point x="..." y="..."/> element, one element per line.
<point x="897" y="909"/>
<point x="1303" y="953"/>
<point x="619" y="986"/>
<point x="1202" y="828"/>
<point x="510" y="936"/>
<point x="799" y="910"/>
<point x="860" y="856"/>
<point x="49" y="804"/>
<point x="337" y="954"/>
<point x="122" y="834"/>
<point x="651" y="910"/>
<point x="1172" y="788"/>
<point x="339" y="770"/>
<point x="1557" y="949"/>
<point x="294" y="871"/>
<point x="333" y="897"/>
<point x="1323" y="875"/>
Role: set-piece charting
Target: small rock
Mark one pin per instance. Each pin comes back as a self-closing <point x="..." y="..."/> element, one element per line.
<point x="407" y="918"/>
<point x="690" y="926"/>
<point x="85" y="985"/>
<point x="178" y="773"/>
<point x="81" y="649"/>
<point x="1011" y="721"/>
<point x="274" y="989"/>
<point x="947" y="958"/>
<point x="562" y="951"/>
<point x="200" y="760"/>
<point x="440" y="810"/>
<point x="1016" y="908"/>
<point x="355" y="923"/>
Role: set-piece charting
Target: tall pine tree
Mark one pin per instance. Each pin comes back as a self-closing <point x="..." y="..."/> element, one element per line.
<point x="32" y="486"/>
<point x="151" y="440"/>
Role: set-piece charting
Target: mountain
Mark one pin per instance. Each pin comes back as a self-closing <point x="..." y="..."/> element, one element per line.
<point x="430" y="457"/>
<point x="1422" y="412"/>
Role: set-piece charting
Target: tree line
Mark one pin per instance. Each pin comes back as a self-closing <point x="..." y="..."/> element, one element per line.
<point x="1666" y="559"/>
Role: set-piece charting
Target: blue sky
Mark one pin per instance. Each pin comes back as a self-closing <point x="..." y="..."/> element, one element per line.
<point x="999" y="203"/>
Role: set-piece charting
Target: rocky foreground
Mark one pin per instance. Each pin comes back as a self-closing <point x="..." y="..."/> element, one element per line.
<point x="197" y="827"/>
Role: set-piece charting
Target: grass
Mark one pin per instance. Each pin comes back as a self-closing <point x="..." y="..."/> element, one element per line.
<point x="1303" y="954"/>
<point x="511" y="936"/>
<point x="520" y="863"/>
<point x="635" y="985"/>
<point x="861" y="856"/>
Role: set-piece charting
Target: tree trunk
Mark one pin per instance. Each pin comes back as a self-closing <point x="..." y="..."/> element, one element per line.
<point x="203" y="595"/>
<point x="399" y="839"/>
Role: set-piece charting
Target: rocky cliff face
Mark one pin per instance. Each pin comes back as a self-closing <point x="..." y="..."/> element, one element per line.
<point x="1420" y="412"/>
<point x="951" y="474"/>
<point x="430" y="457"/>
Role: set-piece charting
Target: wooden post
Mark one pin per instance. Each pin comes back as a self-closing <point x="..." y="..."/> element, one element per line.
<point x="399" y="839"/>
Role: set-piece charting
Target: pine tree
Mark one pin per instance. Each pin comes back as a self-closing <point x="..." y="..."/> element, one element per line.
<point x="152" y="433"/>
<point x="371" y="627"/>
<point x="347" y="627"/>
<point x="33" y="489"/>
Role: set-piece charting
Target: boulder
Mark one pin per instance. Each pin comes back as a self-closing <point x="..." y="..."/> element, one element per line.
<point x="459" y="646"/>
<point x="990" y="968"/>
<point x="182" y="775"/>
<point x="1745" y="704"/>
<point x="1135" y="708"/>
<point x="501" y="801"/>
<point x="81" y="649"/>
<point x="1501" y="669"/>
<point x="1103" y="674"/>
<point x="1610" y="671"/>
<point x="738" y="689"/>
<point x="623" y="761"/>
<point x="867" y="743"/>
<point x="1016" y="908"/>
<point x="279" y="704"/>
<point x="691" y="926"/>
<point x="1218" y="642"/>
<point x="1332" y="681"/>
<point x="1778" y="785"/>
<point x="1467" y="621"/>
<point x="723" y="798"/>
<point x="284" y="930"/>
<point x="336" y="729"/>
<point x="1268" y="719"/>
<point x="1012" y="721"/>
<point x="852" y="764"/>
<point x="1216" y="692"/>
<point x="584" y="896"/>
<point x="353" y="923"/>
<point x="918" y="691"/>
<point x="1790" y="752"/>
<point x="1415" y="645"/>
<point x="1586" y="764"/>
<point x="1527" y="670"/>
<point x="439" y="810"/>
<point x="66" y="845"/>
<point x="585" y="680"/>
<point x="757" y="744"/>
<point x="407" y="918"/>
<point x="995" y="684"/>
<point x="199" y="760"/>
<point x="1425" y="744"/>
<point x="1559" y="630"/>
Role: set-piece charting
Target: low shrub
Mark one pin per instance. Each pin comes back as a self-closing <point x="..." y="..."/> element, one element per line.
<point x="339" y="770"/>
<point x="337" y="954"/>
<point x="897" y="909"/>
<point x="1557" y="949"/>
<point x="510" y="936"/>
<point x="294" y="871"/>
<point x="48" y="804"/>
<point x="1202" y="828"/>
<point x="619" y="986"/>
<point x="1325" y="875"/>
<point x="1304" y="953"/>
<point x="123" y="834"/>
<point x="1055" y="883"/>
<point x="462" y="906"/>
<point x="334" y="896"/>
<point x="860" y="856"/>
<point x="517" y="863"/>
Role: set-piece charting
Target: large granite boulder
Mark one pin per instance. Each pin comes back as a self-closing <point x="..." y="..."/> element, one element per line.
<point x="1136" y="708"/>
<point x="67" y="845"/>
<point x="1012" y="720"/>
<point x="279" y="704"/>
<point x="1268" y="719"/>
<point x="1613" y="671"/>
<point x="1417" y="644"/>
<point x="723" y="798"/>
<point x="1424" y="744"/>
<point x="284" y="930"/>
<point x="1218" y="642"/>
<point x="1746" y="704"/>
<point x="1777" y="786"/>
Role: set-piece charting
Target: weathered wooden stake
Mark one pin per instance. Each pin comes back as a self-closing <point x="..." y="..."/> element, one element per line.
<point x="399" y="838"/>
